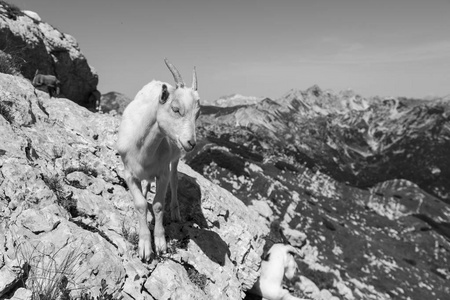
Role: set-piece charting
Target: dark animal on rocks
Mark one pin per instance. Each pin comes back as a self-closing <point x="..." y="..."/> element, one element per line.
<point x="51" y="82"/>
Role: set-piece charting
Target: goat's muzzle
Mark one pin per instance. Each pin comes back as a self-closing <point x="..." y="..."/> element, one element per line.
<point x="189" y="146"/>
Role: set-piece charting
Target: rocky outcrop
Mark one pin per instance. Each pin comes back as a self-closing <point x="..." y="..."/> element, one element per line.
<point x="40" y="46"/>
<point x="64" y="207"/>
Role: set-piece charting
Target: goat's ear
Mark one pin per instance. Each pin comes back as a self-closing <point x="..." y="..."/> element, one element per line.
<point x="164" y="94"/>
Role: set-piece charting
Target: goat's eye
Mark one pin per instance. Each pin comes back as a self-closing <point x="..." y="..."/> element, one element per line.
<point x="176" y="109"/>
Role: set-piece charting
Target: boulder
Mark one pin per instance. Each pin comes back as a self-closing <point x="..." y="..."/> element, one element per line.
<point x="40" y="46"/>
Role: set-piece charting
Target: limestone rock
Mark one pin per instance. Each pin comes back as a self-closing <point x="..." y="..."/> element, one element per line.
<point x="22" y="294"/>
<point x="50" y="51"/>
<point x="64" y="205"/>
<point x="10" y="275"/>
<point x="32" y="14"/>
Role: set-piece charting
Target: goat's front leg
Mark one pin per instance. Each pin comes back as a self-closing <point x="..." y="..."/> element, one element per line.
<point x="145" y="187"/>
<point x="162" y="182"/>
<point x="174" y="207"/>
<point x="140" y="203"/>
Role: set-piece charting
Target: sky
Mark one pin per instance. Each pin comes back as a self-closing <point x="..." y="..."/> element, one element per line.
<point x="262" y="47"/>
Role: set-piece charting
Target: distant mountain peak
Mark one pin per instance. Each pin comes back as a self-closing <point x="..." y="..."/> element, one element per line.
<point x="236" y="99"/>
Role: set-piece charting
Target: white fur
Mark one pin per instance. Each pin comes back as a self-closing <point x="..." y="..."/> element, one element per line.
<point x="152" y="136"/>
<point x="280" y="264"/>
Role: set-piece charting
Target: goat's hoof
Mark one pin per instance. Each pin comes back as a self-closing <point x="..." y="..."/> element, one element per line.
<point x="145" y="250"/>
<point x="160" y="244"/>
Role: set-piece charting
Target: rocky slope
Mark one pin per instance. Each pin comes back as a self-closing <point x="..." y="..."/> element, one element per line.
<point x="67" y="219"/>
<point x="361" y="184"/>
<point x="40" y="46"/>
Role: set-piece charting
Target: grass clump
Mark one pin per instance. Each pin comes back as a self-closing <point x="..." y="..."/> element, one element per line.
<point x="51" y="273"/>
<point x="196" y="277"/>
<point x="62" y="198"/>
<point x="131" y="236"/>
<point x="6" y="111"/>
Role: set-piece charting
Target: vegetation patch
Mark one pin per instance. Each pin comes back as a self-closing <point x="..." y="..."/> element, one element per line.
<point x="9" y="64"/>
<point x="6" y="111"/>
<point x="63" y="199"/>
<point x="51" y="273"/>
<point x="131" y="236"/>
<point x="174" y="244"/>
<point x="104" y="294"/>
<point x="196" y="277"/>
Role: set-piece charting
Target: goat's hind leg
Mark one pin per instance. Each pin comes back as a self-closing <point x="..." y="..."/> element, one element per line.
<point x="140" y="203"/>
<point x="174" y="206"/>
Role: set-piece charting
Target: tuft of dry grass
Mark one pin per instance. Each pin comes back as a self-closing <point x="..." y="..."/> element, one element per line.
<point x="51" y="273"/>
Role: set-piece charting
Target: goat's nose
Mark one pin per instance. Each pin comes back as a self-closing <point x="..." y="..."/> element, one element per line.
<point x="192" y="143"/>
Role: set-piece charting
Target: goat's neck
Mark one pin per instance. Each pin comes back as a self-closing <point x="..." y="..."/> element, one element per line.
<point x="150" y="137"/>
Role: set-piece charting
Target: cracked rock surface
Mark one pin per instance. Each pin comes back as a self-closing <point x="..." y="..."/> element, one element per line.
<point x="64" y="203"/>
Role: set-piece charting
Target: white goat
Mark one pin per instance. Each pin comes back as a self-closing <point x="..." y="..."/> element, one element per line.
<point x="157" y="127"/>
<point x="51" y="82"/>
<point x="279" y="263"/>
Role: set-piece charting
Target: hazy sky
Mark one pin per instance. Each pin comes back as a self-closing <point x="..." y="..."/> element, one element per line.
<point x="262" y="48"/>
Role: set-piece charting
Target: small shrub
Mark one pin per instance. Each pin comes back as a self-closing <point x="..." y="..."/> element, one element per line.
<point x="6" y="111"/>
<point x="9" y="64"/>
<point x="196" y="277"/>
<point x="51" y="273"/>
<point x="104" y="294"/>
<point x="48" y="273"/>
<point x="130" y="236"/>
<point x="66" y="201"/>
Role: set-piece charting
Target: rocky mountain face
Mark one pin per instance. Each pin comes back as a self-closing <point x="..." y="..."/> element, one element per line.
<point x="40" y="46"/>
<point x="361" y="185"/>
<point x="68" y="224"/>
<point x="113" y="101"/>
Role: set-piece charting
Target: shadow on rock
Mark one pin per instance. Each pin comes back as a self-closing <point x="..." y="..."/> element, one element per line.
<point x="194" y="225"/>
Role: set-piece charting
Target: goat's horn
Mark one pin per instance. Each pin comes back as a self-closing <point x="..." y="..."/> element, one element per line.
<point x="194" y="80"/>
<point x="176" y="75"/>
